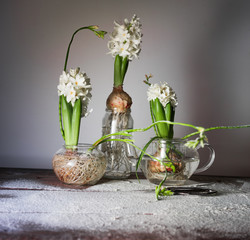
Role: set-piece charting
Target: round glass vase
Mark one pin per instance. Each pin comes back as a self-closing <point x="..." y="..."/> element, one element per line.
<point x="118" y="154"/>
<point x="176" y="162"/>
<point x="78" y="165"/>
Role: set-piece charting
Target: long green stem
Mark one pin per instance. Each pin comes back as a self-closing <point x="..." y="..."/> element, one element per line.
<point x="128" y="131"/>
<point x="70" y="124"/>
<point x="142" y="153"/>
<point x="200" y="130"/>
<point x="91" y="28"/>
<point x="158" y="188"/>
<point x="130" y="142"/>
<point x="214" y="128"/>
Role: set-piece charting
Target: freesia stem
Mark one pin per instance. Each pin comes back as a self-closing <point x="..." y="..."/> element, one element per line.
<point x="214" y="128"/>
<point x="200" y="130"/>
<point x="128" y="131"/>
<point x="91" y="28"/>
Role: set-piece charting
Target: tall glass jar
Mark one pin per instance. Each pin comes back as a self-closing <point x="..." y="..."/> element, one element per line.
<point x="118" y="154"/>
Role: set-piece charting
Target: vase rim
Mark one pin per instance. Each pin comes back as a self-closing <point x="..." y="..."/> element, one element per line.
<point x="78" y="145"/>
<point x="110" y="110"/>
<point x="173" y="140"/>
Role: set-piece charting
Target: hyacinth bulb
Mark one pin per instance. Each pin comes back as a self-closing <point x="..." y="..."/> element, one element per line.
<point x="119" y="100"/>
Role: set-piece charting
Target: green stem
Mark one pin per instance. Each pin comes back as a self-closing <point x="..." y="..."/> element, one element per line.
<point x="128" y="131"/>
<point x="70" y="125"/>
<point x="214" y="128"/>
<point x="76" y="120"/>
<point x="158" y="190"/>
<point x="142" y="153"/>
<point x="60" y="117"/>
<point x="120" y="69"/>
<point x="130" y="142"/>
<point x="72" y="38"/>
<point x="91" y="28"/>
<point x="117" y="71"/>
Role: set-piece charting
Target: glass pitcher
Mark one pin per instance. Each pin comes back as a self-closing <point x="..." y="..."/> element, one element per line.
<point x="173" y="160"/>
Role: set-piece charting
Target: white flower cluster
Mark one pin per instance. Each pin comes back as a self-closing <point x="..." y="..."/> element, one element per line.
<point x="163" y="92"/>
<point x="126" y="39"/>
<point x="75" y="85"/>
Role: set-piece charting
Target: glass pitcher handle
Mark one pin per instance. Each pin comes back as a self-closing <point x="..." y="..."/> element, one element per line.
<point x="210" y="160"/>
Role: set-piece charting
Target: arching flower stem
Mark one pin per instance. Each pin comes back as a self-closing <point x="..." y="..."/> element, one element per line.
<point x="71" y="116"/>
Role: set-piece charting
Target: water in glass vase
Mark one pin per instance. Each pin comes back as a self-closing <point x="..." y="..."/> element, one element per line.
<point x="155" y="172"/>
<point x="118" y="154"/>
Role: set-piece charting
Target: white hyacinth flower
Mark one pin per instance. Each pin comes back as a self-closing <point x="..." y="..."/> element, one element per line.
<point x="74" y="71"/>
<point x="75" y="85"/>
<point x="154" y="91"/>
<point x="70" y="93"/>
<point x="164" y="93"/>
<point x="126" y="39"/>
<point x="61" y="88"/>
<point x="64" y="78"/>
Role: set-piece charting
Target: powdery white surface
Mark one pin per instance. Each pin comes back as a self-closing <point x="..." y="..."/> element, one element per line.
<point x="125" y="206"/>
<point x="114" y="185"/>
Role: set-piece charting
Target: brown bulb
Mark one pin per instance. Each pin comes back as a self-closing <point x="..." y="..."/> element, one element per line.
<point x="119" y="100"/>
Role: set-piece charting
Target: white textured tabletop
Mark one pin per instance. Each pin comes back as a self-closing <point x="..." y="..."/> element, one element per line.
<point x="35" y="205"/>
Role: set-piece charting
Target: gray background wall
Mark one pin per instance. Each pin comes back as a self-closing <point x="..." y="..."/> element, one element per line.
<point x="200" y="47"/>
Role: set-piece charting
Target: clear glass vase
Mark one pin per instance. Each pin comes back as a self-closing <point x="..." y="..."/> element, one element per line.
<point x="118" y="154"/>
<point x="77" y="165"/>
<point x="176" y="162"/>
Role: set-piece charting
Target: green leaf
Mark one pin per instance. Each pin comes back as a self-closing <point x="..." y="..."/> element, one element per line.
<point x="124" y="68"/>
<point x="66" y="115"/>
<point x="158" y="188"/>
<point x="159" y="115"/>
<point x="166" y="192"/>
<point x="152" y="117"/>
<point x="76" y="120"/>
<point x="169" y="114"/>
<point x="117" y="71"/>
<point x="60" y="117"/>
<point x="92" y="28"/>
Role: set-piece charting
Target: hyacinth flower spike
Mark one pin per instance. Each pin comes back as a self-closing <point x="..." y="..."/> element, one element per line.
<point x="74" y="92"/>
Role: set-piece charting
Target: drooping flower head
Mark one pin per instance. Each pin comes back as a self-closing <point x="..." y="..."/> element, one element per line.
<point x="126" y="39"/>
<point x="163" y="92"/>
<point x="75" y="85"/>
